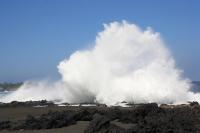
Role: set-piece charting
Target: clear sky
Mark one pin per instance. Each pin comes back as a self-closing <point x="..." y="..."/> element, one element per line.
<point x="35" y="35"/>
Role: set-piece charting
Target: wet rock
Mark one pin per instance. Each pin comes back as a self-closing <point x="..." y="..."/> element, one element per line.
<point x="101" y="105"/>
<point x="138" y="113"/>
<point x="143" y="118"/>
<point x="27" y="104"/>
<point x="98" y="123"/>
<point x="49" y="120"/>
<point x="5" y="125"/>
<point x="31" y="123"/>
<point x="57" y="119"/>
<point x="193" y="103"/>
<point x="85" y="115"/>
<point x="101" y="124"/>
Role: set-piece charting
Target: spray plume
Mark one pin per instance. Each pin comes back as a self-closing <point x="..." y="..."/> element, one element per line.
<point x="125" y="64"/>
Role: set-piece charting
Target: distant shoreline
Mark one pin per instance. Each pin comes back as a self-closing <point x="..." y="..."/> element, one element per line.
<point x="10" y="86"/>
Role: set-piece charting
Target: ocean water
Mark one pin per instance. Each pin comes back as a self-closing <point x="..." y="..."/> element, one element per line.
<point x="195" y="88"/>
<point x="4" y="93"/>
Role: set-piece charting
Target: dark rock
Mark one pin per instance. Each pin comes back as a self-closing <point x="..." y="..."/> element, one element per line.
<point x="123" y="102"/>
<point x="143" y="118"/>
<point x="85" y="115"/>
<point x="5" y="125"/>
<point x="27" y="104"/>
<point x="57" y="119"/>
<point x="101" y="105"/>
<point x="49" y="120"/>
<point x="31" y="123"/>
<point x="98" y="123"/>
<point x="193" y="103"/>
<point x="101" y="124"/>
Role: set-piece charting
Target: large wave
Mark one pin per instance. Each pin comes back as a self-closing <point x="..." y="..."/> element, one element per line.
<point x="126" y="63"/>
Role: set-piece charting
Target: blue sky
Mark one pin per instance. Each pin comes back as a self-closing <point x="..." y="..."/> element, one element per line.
<point x="35" y="35"/>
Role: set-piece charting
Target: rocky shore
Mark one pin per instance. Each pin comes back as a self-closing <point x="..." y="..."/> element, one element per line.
<point x="44" y="116"/>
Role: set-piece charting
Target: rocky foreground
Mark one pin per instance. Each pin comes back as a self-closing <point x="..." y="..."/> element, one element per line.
<point x="43" y="116"/>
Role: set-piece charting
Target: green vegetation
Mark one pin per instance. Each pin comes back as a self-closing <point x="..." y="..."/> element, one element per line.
<point x="9" y="86"/>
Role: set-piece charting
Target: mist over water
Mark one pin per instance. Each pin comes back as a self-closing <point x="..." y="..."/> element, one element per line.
<point x="126" y="63"/>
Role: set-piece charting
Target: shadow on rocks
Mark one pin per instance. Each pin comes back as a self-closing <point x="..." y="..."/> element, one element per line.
<point x="101" y="124"/>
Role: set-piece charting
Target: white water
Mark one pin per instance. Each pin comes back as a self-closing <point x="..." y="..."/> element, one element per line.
<point x="125" y="64"/>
